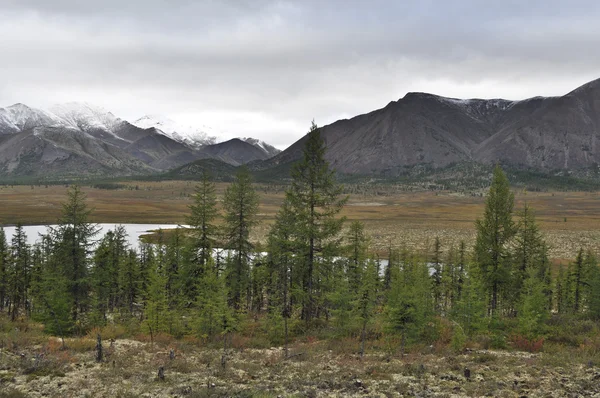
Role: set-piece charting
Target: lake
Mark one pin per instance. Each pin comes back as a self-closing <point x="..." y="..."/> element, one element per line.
<point x="134" y="231"/>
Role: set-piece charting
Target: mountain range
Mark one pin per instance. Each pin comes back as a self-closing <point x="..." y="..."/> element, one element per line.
<point x="546" y="134"/>
<point x="542" y="133"/>
<point x="77" y="139"/>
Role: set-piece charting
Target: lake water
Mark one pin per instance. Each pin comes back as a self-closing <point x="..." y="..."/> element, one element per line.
<point x="134" y="231"/>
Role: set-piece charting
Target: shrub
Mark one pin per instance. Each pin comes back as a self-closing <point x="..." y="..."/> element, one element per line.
<point x="523" y="343"/>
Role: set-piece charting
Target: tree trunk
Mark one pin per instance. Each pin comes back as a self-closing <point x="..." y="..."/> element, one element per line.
<point x="362" y="339"/>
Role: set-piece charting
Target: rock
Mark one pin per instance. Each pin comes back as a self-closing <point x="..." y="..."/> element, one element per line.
<point x="358" y="383"/>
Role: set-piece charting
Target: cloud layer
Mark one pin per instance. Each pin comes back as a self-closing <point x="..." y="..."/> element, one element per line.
<point x="265" y="68"/>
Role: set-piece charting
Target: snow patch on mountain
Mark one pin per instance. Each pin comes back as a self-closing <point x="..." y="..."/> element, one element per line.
<point x="84" y="116"/>
<point x="189" y="135"/>
<point x="19" y="117"/>
<point x="269" y="149"/>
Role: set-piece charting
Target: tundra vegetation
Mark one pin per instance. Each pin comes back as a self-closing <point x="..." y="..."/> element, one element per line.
<point x="310" y="310"/>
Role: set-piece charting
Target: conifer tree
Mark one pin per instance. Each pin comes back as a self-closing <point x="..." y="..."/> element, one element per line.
<point x="409" y="303"/>
<point x="73" y="242"/>
<point x="156" y="306"/>
<point x="314" y="197"/>
<point x="19" y="274"/>
<point x="530" y="253"/>
<point x="356" y="252"/>
<point x="561" y="291"/>
<point x="534" y="309"/>
<point x="203" y="214"/>
<point x="470" y="308"/>
<point x="211" y="303"/>
<point x="282" y="248"/>
<point x="436" y="276"/>
<point x="594" y="295"/>
<point x="241" y="206"/>
<point x="129" y="281"/>
<point x="577" y="276"/>
<point x="4" y="269"/>
<point x="367" y="299"/>
<point x="494" y="233"/>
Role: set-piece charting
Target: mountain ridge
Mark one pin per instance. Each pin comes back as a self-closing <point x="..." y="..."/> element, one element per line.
<point x="74" y="138"/>
<point x="545" y="133"/>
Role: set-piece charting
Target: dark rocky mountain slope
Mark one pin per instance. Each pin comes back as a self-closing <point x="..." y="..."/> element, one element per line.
<point x="545" y="133"/>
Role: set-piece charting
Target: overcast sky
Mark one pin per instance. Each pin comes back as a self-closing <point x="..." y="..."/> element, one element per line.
<point x="266" y="68"/>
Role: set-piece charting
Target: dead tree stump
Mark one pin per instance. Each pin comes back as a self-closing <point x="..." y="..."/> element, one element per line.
<point x="161" y="373"/>
<point x="99" y="353"/>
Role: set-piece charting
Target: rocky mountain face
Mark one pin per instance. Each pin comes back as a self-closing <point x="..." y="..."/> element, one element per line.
<point x="235" y="152"/>
<point x="546" y="133"/>
<point x="77" y="139"/>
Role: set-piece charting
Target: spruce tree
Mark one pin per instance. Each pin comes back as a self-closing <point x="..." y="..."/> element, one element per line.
<point x="314" y="197"/>
<point x="494" y="233"/>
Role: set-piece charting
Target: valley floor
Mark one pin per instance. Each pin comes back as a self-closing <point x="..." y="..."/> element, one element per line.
<point x="392" y="216"/>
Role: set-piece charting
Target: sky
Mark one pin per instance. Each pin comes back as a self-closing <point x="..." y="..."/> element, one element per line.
<point x="266" y="68"/>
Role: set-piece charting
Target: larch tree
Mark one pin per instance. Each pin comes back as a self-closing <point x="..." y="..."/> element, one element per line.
<point x="530" y="253"/>
<point x="73" y="239"/>
<point x="241" y="206"/>
<point x="282" y="248"/>
<point x="202" y="218"/>
<point x="19" y="272"/>
<point x="315" y="198"/>
<point x="494" y="233"/>
<point x="4" y="269"/>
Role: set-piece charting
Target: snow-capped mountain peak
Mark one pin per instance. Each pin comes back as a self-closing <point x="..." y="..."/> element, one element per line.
<point x="20" y="117"/>
<point x="80" y="115"/>
<point x="193" y="136"/>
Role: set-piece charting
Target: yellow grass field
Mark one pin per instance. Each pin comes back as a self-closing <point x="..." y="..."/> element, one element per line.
<point x="568" y="219"/>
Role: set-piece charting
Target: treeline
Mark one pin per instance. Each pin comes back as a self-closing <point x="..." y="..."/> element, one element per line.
<point x="310" y="276"/>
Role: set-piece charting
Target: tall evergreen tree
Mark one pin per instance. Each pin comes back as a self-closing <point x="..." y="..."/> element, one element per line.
<point x="494" y="233"/>
<point x="241" y="206"/>
<point x="314" y="197"/>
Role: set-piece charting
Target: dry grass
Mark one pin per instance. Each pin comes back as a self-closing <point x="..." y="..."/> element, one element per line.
<point x="569" y="219"/>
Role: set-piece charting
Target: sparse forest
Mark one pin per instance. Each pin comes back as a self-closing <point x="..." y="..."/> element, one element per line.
<point x="314" y="278"/>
